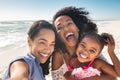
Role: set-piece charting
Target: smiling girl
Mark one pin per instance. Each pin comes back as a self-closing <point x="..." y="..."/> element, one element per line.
<point x="88" y="51"/>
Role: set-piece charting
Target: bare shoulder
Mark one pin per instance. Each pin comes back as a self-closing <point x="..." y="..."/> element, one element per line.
<point x="57" y="60"/>
<point x="98" y="63"/>
<point x="19" y="69"/>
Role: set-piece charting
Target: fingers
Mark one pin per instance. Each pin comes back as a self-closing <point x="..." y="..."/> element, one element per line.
<point x="110" y="40"/>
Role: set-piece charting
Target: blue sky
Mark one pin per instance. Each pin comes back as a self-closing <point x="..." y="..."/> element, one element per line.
<point x="45" y="9"/>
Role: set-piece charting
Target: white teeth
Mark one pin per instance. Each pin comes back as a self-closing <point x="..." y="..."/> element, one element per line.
<point x="83" y="56"/>
<point x="45" y="55"/>
<point x="69" y="34"/>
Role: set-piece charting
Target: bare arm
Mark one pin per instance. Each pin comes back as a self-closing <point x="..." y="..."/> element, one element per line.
<point x="19" y="71"/>
<point x="115" y="60"/>
<point x="57" y="61"/>
<point x="68" y="76"/>
<point x="105" y="67"/>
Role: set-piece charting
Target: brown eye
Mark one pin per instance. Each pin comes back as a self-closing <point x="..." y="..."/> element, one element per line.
<point x="59" y="29"/>
<point x="82" y="45"/>
<point x="41" y="43"/>
<point x="92" y="51"/>
<point x="52" y="45"/>
<point x="69" y="23"/>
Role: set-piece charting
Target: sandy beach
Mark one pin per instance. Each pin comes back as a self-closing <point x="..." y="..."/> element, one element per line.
<point x="8" y="56"/>
<point x="112" y="27"/>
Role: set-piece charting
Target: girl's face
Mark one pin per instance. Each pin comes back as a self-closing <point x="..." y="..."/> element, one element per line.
<point x="43" y="45"/>
<point x="67" y="30"/>
<point x="88" y="49"/>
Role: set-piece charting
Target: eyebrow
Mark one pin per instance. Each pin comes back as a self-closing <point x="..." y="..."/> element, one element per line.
<point x="45" y="40"/>
<point x="60" y="23"/>
<point x="92" y="47"/>
<point x="67" y="20"/>
<point x="83" y="43"/>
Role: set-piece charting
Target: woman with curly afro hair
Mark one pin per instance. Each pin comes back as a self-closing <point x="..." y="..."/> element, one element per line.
<point x="71" y="23"/>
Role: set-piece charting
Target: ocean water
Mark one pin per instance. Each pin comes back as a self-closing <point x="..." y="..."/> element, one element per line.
<point x="13" y="34"/>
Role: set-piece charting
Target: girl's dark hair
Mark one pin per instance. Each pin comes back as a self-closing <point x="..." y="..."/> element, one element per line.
<point x="33" y="32"/>
<point x="90" y="27"/>
<point x="100" y="39"/>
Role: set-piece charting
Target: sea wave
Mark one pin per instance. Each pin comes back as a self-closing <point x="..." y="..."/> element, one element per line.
<point x="13" y="33"/>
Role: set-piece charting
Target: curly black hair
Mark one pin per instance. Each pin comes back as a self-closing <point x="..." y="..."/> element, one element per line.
<point x="79" y="17"/>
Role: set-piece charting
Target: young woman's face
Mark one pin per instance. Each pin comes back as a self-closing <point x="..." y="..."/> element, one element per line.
<point x="43" y="45"/>
<point x="67" y="30"/>
<point x="88" y="49"/>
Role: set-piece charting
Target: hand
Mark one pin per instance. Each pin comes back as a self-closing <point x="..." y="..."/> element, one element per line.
<point x="68" y="76"/>
<point x="110" y="43"/>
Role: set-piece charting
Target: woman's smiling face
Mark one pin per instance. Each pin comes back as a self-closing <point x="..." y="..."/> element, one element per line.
<point x="67" y="30"/>
<point x="43" y="44"/>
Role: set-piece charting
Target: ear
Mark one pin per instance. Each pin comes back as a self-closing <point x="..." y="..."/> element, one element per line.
<point x="29" y="41"/>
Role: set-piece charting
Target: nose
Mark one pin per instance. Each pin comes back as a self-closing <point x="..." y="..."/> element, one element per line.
<point x="85" y="51"/>
<point x="65" y="27"/>
<point x="47" y="49"/>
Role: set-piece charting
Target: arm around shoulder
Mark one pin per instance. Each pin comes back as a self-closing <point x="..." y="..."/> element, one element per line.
<point x="105" y="67"/>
